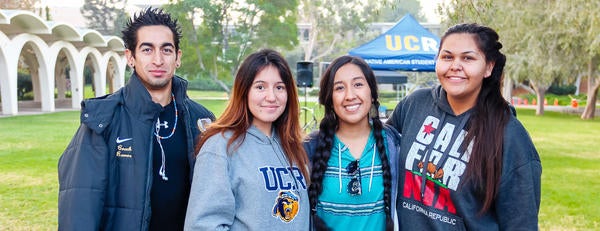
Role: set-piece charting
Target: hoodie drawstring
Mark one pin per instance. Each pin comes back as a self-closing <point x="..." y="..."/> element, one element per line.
<point x="372" y="166"/>
<point x="340" y="166"/>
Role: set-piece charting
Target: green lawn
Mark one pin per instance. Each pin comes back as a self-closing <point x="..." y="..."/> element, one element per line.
<point x="31" y="146"/>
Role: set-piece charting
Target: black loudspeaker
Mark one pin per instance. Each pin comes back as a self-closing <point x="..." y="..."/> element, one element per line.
<point x="304" y="74"/>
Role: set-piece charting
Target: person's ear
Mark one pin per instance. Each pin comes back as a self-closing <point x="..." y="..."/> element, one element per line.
<point x="178" y="60"/>
<point x="488" y="69"/>
<point x="129" y="57"/>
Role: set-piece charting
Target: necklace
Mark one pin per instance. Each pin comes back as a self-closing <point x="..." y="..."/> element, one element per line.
<point x="166" y="123"/>
<point x="162" y="170"/>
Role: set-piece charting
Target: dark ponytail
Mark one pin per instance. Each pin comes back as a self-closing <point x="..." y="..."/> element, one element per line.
<point x="319" y="161"/>
<point x="385" y="166"/>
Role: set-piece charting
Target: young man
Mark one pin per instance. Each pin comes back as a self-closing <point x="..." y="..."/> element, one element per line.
<point x="129" y="165"/>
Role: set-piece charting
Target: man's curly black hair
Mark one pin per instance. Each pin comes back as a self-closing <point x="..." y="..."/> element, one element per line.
<point x="149" y="17"/>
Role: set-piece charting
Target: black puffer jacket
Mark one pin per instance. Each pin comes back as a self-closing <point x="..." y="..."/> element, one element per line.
<point x="105" y="172"/>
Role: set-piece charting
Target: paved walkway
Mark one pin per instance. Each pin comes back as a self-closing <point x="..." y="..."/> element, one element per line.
<point x="563" y="109"/>
<point x="26" y="109"/>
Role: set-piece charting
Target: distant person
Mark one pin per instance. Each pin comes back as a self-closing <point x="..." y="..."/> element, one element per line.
<point x="129" y="165"/>
<point x="353" y="154"/>
<point x="251" y="168"/>
<point x="466" y="162"/>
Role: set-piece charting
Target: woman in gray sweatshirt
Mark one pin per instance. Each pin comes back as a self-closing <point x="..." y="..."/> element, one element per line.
<point x="251" y="170"/>
<point x="466" y="162"/>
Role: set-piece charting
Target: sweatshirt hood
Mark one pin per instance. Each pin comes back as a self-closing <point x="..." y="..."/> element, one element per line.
<point x="440" y="99"/>
<point x="260" y="136"/>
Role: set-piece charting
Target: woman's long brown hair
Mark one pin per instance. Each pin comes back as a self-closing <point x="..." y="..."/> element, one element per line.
<point x="238" y="119"/>
<point x="490" y="116"/>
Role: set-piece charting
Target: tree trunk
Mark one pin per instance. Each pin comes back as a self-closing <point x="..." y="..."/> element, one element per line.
<point x="590" y="107"/>
<point x="540" y="91"/>
<point x="507" y="87"/>
<point x="578" y="84"/>
<point x="539" y="110"/>
<point x="592" y="91"/>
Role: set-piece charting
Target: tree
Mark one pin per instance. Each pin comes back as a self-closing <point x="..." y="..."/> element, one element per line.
<point x="533" y="34"/>
<point x="583" y="16"/>
<point x="335" y="27"/>
<point x="396" y="11"/>
<point x="18" y="4"/>
<point x="218" y="35"/>
<point x="106" y="16"/>
<point x="30" y="5"/>
<point x="483" y="12"/>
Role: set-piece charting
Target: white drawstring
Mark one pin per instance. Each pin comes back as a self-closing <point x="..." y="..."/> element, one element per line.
<point x="340" y="166"/>
<point x="372" y="166"/>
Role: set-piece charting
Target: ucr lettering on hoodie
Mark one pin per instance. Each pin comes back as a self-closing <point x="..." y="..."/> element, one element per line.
<point x="282" y="178"/>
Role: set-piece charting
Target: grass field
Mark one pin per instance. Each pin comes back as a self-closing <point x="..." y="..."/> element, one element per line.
<point x="31" y="146"/>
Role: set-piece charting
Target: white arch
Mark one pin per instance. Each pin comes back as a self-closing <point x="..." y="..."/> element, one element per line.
<point x="76" y="63"/>
<point x="64" y="31"/>
<point x="115" y="43"/>
<point x="93" y="38"/>
<point x="45" y="71"/>
<point x="99" y="78"/>
<point x="29" y="22"/>
<point x="47" y="39"/>
<point x="5" y="84"/>
<point x="120" y="65"/>
<point x="3" y="18"/>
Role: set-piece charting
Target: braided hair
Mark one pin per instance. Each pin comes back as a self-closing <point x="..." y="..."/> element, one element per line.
<point x="328" y="127"/>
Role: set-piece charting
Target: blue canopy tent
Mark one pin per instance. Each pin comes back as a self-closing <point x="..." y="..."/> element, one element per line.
<point x="407" y="46"/>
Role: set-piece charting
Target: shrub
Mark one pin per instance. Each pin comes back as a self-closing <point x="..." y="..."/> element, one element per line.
<point x="563" y="100"/>
<point x="562" y="89"/>
<point x="24" y="86"/>
<point x="206" y="84"/>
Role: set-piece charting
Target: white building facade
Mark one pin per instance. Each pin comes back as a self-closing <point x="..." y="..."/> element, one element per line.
<point x="56" y="55"/>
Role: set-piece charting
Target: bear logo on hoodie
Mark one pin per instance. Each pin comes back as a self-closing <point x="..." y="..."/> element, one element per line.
<point x="286" y="206"/>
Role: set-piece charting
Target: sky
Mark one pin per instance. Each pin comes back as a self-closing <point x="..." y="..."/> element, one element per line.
<point x="428" y="7"/>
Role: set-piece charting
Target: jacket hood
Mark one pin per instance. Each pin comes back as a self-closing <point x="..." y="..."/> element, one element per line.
<point x="97" y="113"/>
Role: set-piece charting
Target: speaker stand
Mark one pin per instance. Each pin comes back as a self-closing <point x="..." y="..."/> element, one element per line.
<point x="305" y="101"/>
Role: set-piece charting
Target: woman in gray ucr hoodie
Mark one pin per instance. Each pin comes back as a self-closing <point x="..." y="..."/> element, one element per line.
<point x="251" y="170"/>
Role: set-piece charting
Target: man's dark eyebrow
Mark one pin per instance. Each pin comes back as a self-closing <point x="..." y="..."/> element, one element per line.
<point x="163" y="45"/>
<point x="167" y="45"/>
